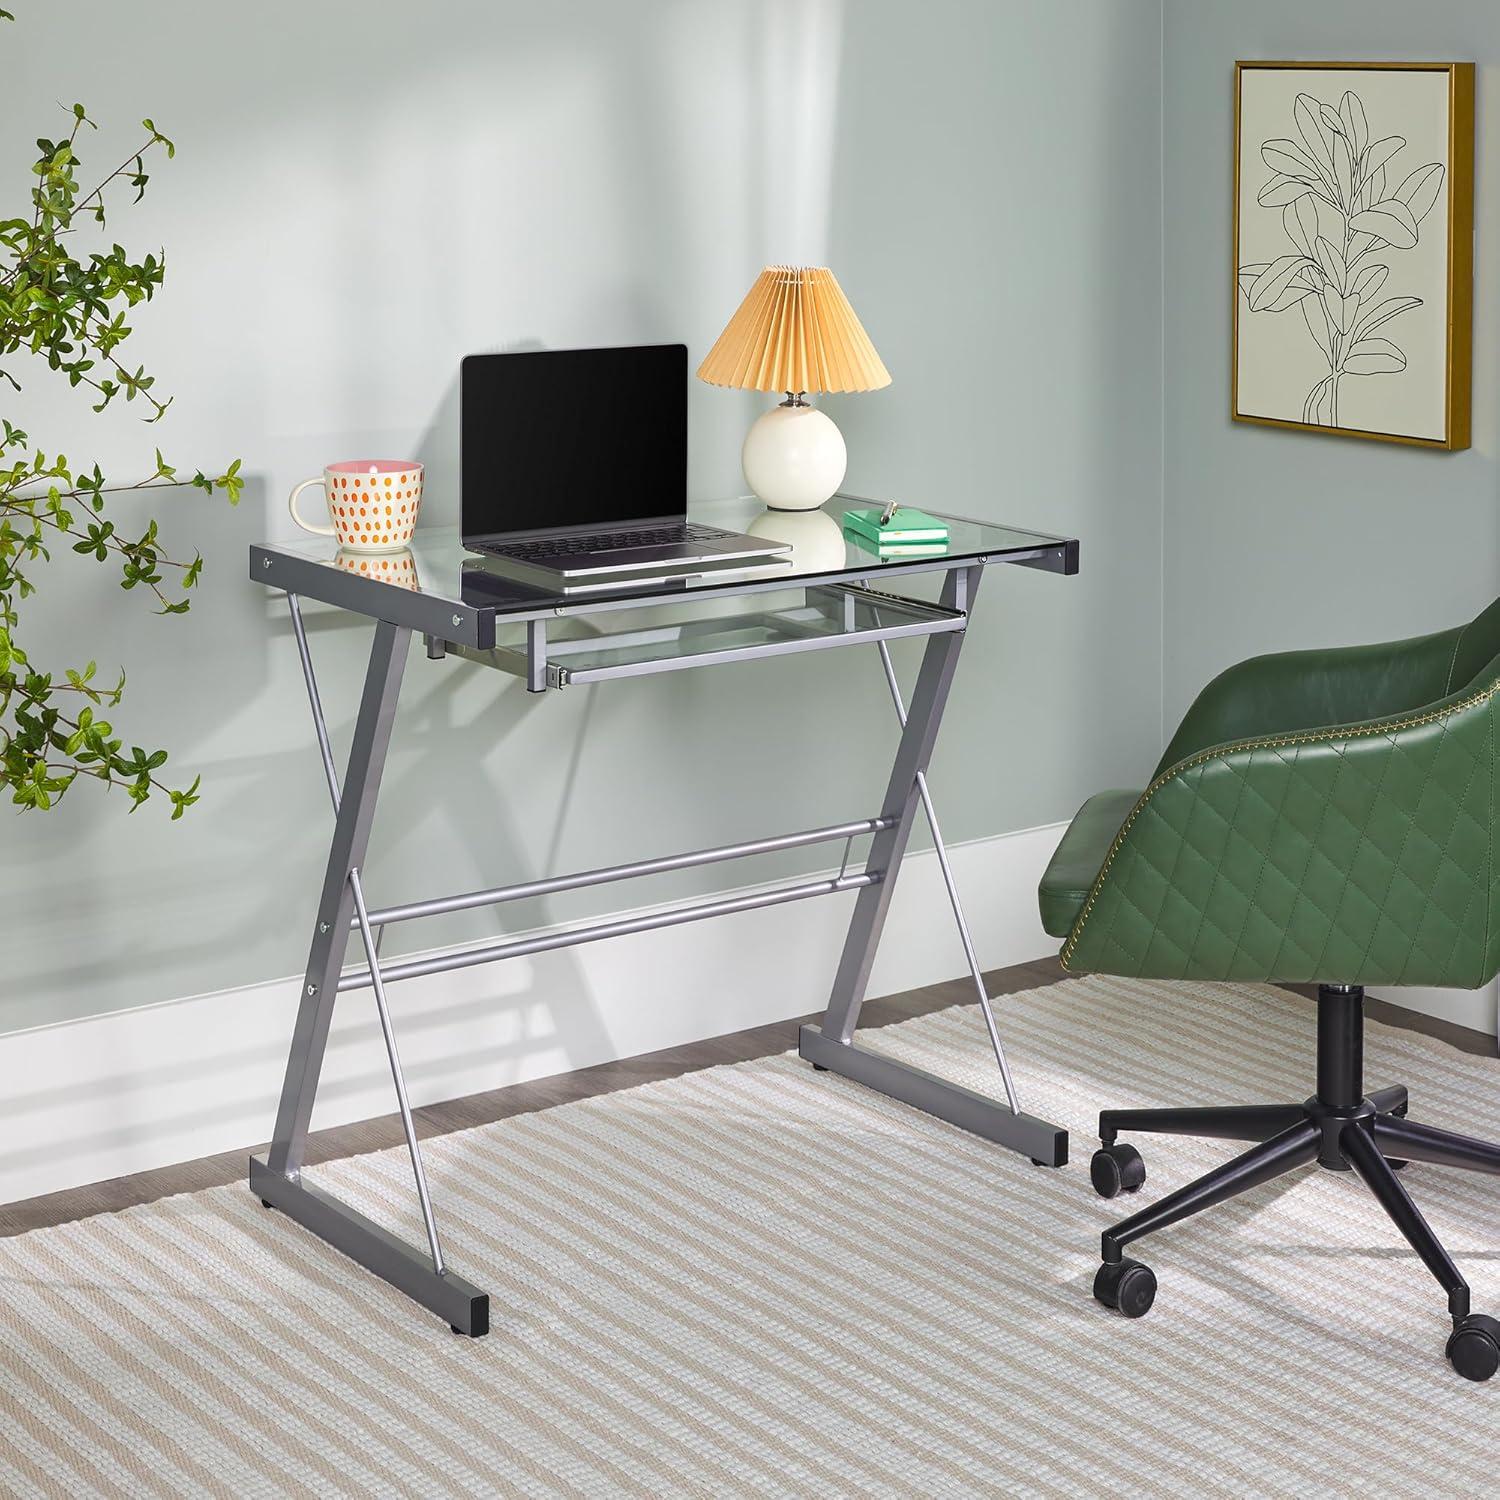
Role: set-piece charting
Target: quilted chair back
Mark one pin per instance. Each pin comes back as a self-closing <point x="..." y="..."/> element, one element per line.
<point x="1354" y="852"/>
<point x="1476" y="657"/>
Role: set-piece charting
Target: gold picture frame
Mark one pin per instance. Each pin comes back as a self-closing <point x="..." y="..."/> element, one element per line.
<point x="1338" y="143"/>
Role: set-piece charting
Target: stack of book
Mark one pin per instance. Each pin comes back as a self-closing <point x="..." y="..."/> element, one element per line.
<point x="908" y="533"/>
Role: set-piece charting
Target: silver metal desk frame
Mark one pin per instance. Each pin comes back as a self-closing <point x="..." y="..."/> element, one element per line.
<point x="424" y="1275"/>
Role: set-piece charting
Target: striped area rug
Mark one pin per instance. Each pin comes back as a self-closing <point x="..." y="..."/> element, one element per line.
<point x="758" y="1280"/>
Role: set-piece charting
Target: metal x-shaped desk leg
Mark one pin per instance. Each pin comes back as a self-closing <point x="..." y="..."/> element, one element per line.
<point x="278" y="1178"/>
<point x="831" y="1044"/>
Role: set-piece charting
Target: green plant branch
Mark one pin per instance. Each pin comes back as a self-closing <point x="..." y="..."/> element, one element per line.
<point x="64" y="308"/>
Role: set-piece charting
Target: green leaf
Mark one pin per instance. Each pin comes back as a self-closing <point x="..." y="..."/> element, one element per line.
<point x="64" y="305"/>
<point x="231" y="483"/>
<point x="181" y="801"/>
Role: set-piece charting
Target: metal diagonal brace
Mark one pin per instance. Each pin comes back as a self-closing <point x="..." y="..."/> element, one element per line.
<point x="408" y="1126"/>
<point x="831" y="1043"/>
<point x="941" y="850"/>
<point x="387" y="659"/>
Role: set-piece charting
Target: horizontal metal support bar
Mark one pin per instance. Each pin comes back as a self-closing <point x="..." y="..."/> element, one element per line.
<point x="936" y="624"/>
<point x="976" y="1113"/>
<point x="441" y="905"/>
<point x="744" y="587"/>
<point x="671" y="916"/>
<point x="514" y="659"/>
<point x="458" y="1302"/>
<point x="657" y="635"/>
<point x="508" y="659"/>
<point x="798" y="627"/>
<point x="862" y="593"/>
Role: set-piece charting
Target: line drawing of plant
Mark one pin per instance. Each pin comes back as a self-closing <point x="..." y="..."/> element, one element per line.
<point x="1332" y="190"/>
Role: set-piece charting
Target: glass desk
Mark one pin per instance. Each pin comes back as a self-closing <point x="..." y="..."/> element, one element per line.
<point x="438" y="588"/>
<point x="827" y="592"/>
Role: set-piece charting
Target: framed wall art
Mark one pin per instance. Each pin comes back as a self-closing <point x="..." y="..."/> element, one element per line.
<point x="1353" y="248"/>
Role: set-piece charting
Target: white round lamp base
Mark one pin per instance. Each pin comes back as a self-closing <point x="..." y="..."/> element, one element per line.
<point x="794" y="457"/>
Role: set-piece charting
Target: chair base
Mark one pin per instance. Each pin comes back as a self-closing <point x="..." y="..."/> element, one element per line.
<point x="1341" y="1129"/>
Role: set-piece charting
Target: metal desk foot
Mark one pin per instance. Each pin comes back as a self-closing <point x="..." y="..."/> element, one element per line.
<point x="1045" y="1144"/>
<point x="458" y="1302"/>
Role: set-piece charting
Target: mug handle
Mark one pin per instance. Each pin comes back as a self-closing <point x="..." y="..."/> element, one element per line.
<point x="292" y="506"/>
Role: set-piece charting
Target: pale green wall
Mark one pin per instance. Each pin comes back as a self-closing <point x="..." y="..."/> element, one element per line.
<point x="366" y="192"/>
<point x="1278" y="539"/>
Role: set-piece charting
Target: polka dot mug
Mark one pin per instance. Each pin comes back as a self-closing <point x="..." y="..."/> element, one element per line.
<point x="372" y="503"/>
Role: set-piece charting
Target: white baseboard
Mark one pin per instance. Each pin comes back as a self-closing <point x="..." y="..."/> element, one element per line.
<point x="1475" y="1009"/>
<point x="106" y="1095"/>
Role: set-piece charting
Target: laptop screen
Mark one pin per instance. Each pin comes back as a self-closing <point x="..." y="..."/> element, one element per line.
<point x="572" y="437"/>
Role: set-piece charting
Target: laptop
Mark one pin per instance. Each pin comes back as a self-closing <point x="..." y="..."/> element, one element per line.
<point x="574" y="469"/>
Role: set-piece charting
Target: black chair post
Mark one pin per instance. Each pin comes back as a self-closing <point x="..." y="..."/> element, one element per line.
<point x="1341" y="1045"/>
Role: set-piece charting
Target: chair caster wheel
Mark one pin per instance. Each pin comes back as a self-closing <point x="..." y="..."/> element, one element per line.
<point x="1116" y="1169"/>
<point x="1128" y="1287"/>
<point x="1474" y="1347"/>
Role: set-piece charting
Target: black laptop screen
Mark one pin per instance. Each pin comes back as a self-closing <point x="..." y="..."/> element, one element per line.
<point x="572" y="437"/>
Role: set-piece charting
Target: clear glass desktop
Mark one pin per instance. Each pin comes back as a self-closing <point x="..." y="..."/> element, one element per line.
<point x="437" y="564"/>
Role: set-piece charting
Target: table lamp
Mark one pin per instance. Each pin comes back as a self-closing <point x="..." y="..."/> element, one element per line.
<point x="794" y="332"/>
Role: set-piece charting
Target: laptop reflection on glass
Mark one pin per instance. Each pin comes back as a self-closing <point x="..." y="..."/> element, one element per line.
<point x="574" y="469"/>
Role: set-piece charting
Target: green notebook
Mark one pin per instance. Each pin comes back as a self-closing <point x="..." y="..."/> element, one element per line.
<point x="908" y="525"/>
<point x="906" y="549"/>
<point x="884" y="547"/>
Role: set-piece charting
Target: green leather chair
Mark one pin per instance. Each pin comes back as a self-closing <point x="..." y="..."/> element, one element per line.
<point x="1319" y="817"/>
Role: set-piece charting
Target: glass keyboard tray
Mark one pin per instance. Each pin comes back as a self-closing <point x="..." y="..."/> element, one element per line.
<point x="673" y="637"/>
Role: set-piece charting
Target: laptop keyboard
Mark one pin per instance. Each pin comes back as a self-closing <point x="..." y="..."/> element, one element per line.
<point x="608" y="541"/>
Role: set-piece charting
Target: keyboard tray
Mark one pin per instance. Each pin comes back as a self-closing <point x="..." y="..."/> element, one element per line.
<point x="677" y="636"/>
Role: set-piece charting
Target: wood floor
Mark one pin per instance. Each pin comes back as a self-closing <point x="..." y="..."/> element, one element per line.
<point x="522" y="1098"/>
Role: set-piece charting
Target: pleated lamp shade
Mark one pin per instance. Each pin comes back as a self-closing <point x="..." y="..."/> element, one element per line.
<point x="795" y="332"/>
